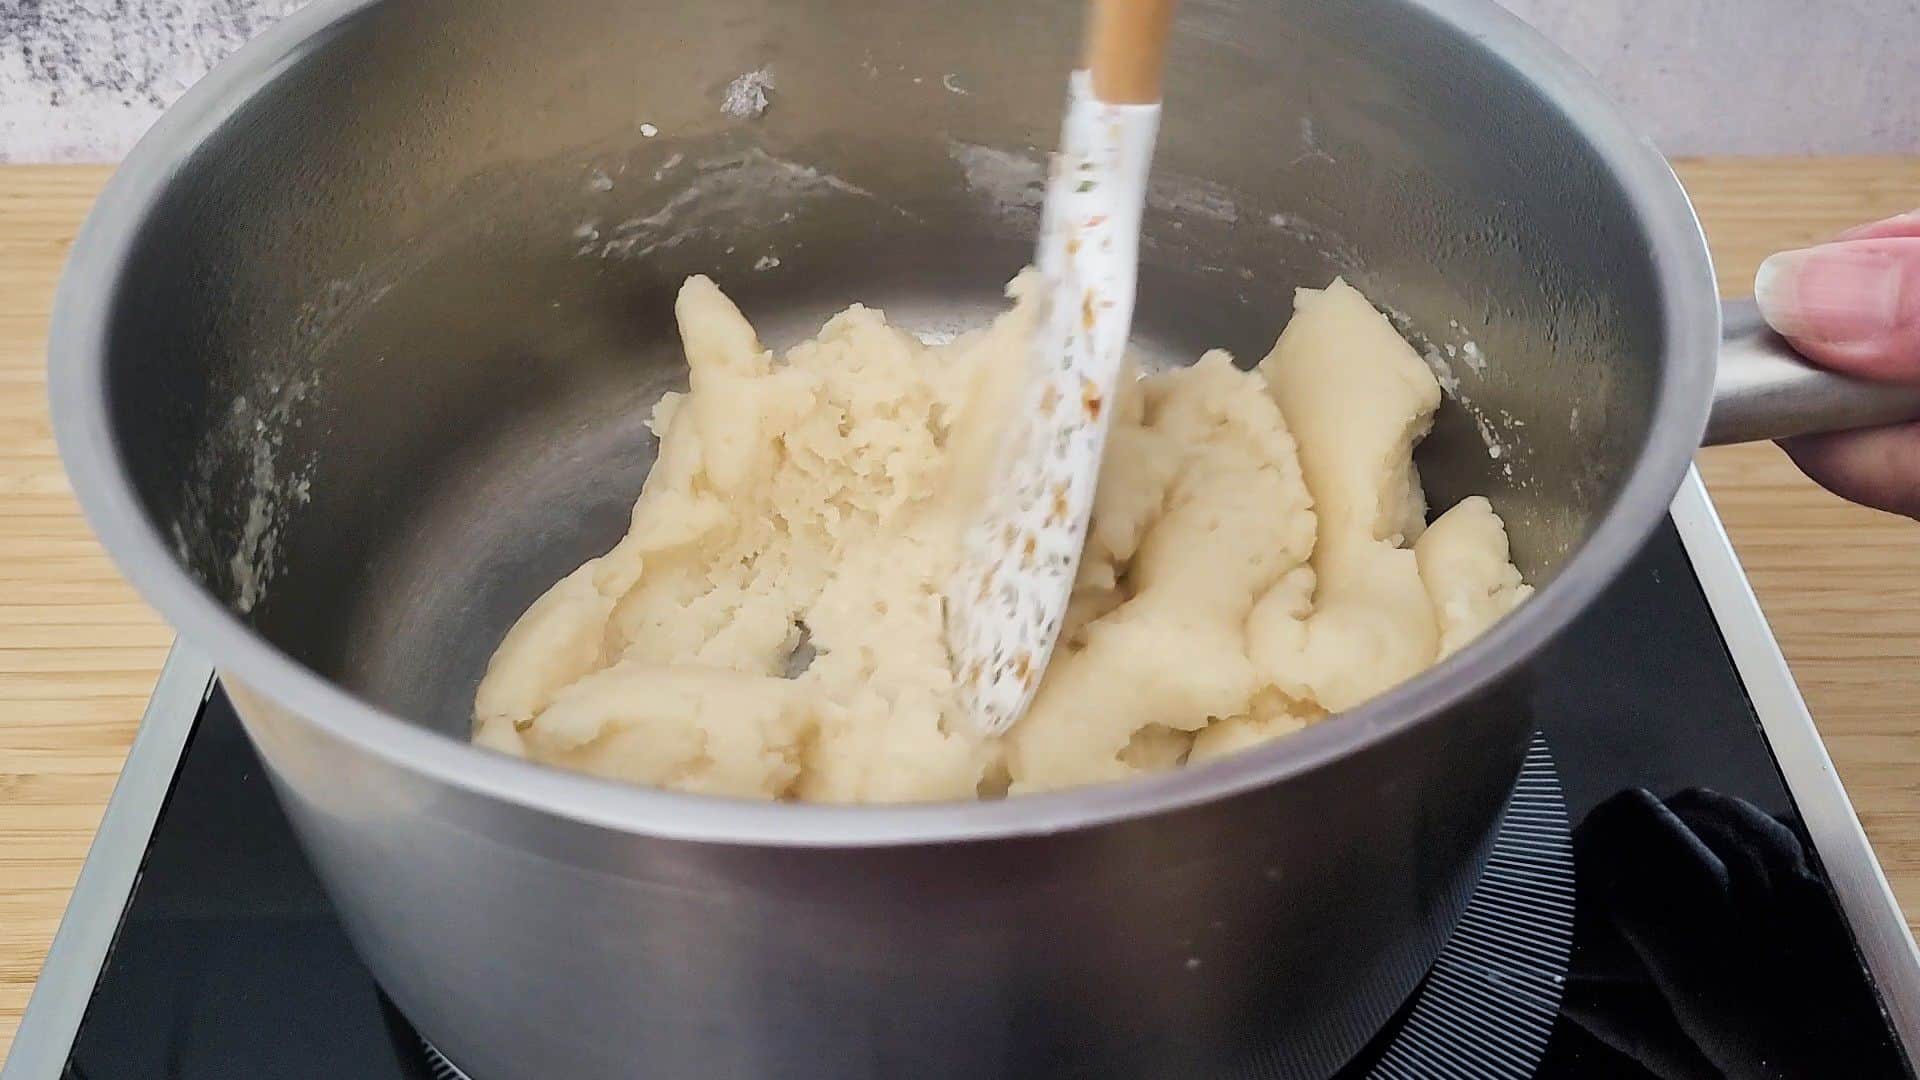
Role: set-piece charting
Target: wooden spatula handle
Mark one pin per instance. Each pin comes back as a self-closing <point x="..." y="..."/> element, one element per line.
<point x="1127" y="49"/>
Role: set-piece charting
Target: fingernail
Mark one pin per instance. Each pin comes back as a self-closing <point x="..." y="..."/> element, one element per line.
<point x="1839" y="294"/>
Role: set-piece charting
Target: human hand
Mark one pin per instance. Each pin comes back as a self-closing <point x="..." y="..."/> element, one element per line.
<point x="1853" y="305"/>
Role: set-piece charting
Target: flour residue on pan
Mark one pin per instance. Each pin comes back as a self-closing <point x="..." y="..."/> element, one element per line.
<point x="749" y="95"/>
<point x="727" y="194"/>
<point x="251" y="441"/>
<point x="1328" y="244"/>
<point x="271" y="492"/>
<point x="1497" y="428"/>
<point x="1310" y="149"/>
<point x="248" y="477"/>
<point x="1014" y="183"/>
<point x="1185" y="197"/>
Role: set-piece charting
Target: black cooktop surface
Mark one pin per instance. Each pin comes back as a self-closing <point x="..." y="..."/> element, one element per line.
<point x="1706" y="940"/>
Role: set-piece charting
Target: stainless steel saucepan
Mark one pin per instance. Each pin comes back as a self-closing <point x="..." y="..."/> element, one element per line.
<point x="352" y="359"/>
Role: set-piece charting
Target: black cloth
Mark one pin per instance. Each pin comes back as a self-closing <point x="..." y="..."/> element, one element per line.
<point x="1706" y="947"/>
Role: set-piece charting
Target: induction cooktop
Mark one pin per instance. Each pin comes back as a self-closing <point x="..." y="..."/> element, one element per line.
<point x="1679" y="888"/>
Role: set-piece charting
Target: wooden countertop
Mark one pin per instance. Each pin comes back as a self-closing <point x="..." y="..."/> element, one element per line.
<point x="79" y="652"/>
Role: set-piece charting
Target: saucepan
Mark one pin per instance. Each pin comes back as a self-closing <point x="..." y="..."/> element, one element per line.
<point x="354" y="355"/>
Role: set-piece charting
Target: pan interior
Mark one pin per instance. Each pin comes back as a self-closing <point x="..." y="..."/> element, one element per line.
<point x="382" y="359"/>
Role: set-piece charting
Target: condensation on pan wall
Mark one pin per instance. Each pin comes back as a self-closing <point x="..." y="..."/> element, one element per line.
<point x="81" y="79"/>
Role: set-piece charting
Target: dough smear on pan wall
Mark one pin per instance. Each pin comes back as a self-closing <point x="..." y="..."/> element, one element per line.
<point x="1259" y="557"/>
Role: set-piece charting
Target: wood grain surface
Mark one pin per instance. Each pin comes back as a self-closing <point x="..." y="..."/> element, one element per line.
<point x="79" y="653"/>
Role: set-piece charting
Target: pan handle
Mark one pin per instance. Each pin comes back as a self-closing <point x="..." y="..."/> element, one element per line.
<point x="1765" y="390"/>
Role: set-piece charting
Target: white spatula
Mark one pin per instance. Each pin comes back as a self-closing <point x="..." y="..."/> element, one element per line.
<point x="1009" y="596"/>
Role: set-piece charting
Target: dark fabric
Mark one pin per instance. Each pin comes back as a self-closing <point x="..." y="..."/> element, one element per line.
<point x="1706" y="947"/>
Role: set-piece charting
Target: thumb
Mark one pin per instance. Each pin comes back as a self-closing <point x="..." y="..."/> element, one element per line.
<point x="1852" y="305"/>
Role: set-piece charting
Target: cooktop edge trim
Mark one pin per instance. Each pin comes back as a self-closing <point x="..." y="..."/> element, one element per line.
<point x="1879" y="927"/>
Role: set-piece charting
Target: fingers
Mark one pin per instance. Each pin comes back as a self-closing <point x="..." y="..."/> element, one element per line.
<point x="1878" y="468"/>
<point x="1852" y="305"/>
<point x="1907" y="224"/>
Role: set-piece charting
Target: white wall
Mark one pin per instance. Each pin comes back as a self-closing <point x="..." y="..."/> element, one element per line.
<point x="1752" y="76"/>
<point x="1702" y="76"/>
